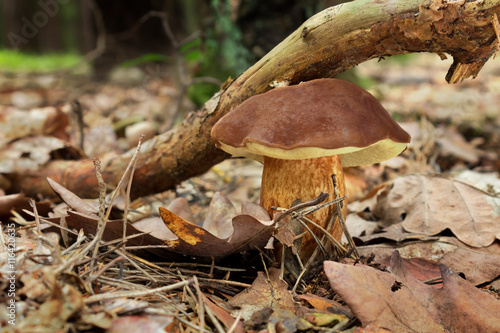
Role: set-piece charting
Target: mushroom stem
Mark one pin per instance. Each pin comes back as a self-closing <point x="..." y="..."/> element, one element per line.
<point x="284" y="181"/>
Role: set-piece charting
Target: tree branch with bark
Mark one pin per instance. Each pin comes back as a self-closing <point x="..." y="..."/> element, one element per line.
<point x="327" y="44"/>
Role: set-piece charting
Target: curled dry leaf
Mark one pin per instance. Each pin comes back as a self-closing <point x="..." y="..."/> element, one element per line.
<point x="479" y="265"/>
<point x="267" y="291"/>
<point x="219" y="216"/>
<point x="431" y="204"/>
<point x="71" y="199"/>
<point x="180" y="207"/>
<point x="248" y="233"/>
<point x="401" y="303"/>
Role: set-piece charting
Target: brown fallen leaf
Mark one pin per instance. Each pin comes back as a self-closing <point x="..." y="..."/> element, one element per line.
<point x="19" y="202"/>
<point x="458" y="305"/>
<point x="452" y="144"/>
<point x="479" y="265"/>
<point x="399" y="302"/>
<point x="431" y="204"/>
<point x="71" y="199"/>
<point x="219" y="216"/>
<point x="223" y="315"/>
<point x="180" y="207"/>
<point x="114" y="231"/>
<point x="53" y="314"/>
<point x="266" y="292"/>
<point x="325" y="304"/>
<point x="248" y="233"/>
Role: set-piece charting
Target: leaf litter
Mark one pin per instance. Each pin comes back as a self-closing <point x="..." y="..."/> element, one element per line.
<point x="123" y="290"/>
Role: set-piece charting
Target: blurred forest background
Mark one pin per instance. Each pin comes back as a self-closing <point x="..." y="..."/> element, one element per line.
<point x="219" y="38"/>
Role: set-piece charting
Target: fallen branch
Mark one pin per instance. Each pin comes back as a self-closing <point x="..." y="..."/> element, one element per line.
<point x="327" y="44"/>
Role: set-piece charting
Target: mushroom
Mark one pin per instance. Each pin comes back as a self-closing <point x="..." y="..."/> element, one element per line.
<point x="305" y="133"/>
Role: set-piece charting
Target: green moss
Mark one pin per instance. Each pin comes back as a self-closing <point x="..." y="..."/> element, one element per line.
<point x="14" y="61"/>
<point x="199" y="93"/>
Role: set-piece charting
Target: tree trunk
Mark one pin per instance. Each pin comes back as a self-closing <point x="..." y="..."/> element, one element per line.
<point x="327" y="44"/>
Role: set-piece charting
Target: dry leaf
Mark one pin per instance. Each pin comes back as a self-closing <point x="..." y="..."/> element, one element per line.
<point x="180" y="207"/>
<point x="54" y="313"/>
<point x="399" y="302"/>
<point x="223" y="315"/>
<point x="189" y="239"/>
<point x="370" y="296"/>
<point x="431" y="204"/>
<point x="325" y="304"/>
<point x="266" y="292"/>
<point x="71" y="199"/>
<point x="479" y="265"/>
<point x="219" y="216"/>
<point x="19" y="202"/>
<point x="248" y="234"/>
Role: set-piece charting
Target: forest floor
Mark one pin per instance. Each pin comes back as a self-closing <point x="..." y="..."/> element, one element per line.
<point x="437" y="204"/>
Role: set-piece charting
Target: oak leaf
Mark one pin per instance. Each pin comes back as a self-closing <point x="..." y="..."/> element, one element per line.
<point x="431" y="204"/>
<point x="399" y="302"/>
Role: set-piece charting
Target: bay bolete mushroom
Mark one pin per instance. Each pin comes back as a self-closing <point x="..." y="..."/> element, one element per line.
<point x="305" y="133"/>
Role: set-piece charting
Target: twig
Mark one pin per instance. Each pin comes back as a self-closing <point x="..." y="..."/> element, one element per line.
<point x="130" y="260"/>
<point x="108" y="296"/>
<point x="92" y="277"/>
<point x="101" y="37"/>
<point x="299" y="278"/>
<point x="342" y="221"/>
<point x="316" y="239"/>
<point x="37" y="220"/>
<point x="80" y="239"/>
<point x="301" y="205"/>
<point x="227" y="282"/>
<point x="76" y="108"/>
<point x="133" y="162"/>
<point x="327" y="234"/>
<point x="235" y="323"/>
<point x="202" y="300"/>
<point x="101" y="224"/>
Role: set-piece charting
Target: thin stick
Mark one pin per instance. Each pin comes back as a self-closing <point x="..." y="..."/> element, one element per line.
<point x="226" y="282"/>
<point x="92" y="277"/>
<point x="202" y="299"/>
<point x="320" y="245"/>
<point x="37" y="220"/>
<point x="342" y="221"/>
<point x="135" y="293"/>
<point x="235" y="323"/>
<point x="133" y="162"/>
<point x="299" y="279"/>
<point x="101" y="224"/>
<point x="301" y="205"/>
<point x="327" y="234"/>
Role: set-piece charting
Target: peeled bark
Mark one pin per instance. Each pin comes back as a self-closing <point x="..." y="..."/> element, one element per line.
<point x="327" y="44"/>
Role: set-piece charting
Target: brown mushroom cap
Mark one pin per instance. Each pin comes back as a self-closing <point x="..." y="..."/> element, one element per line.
<point x="317" y="118"/>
